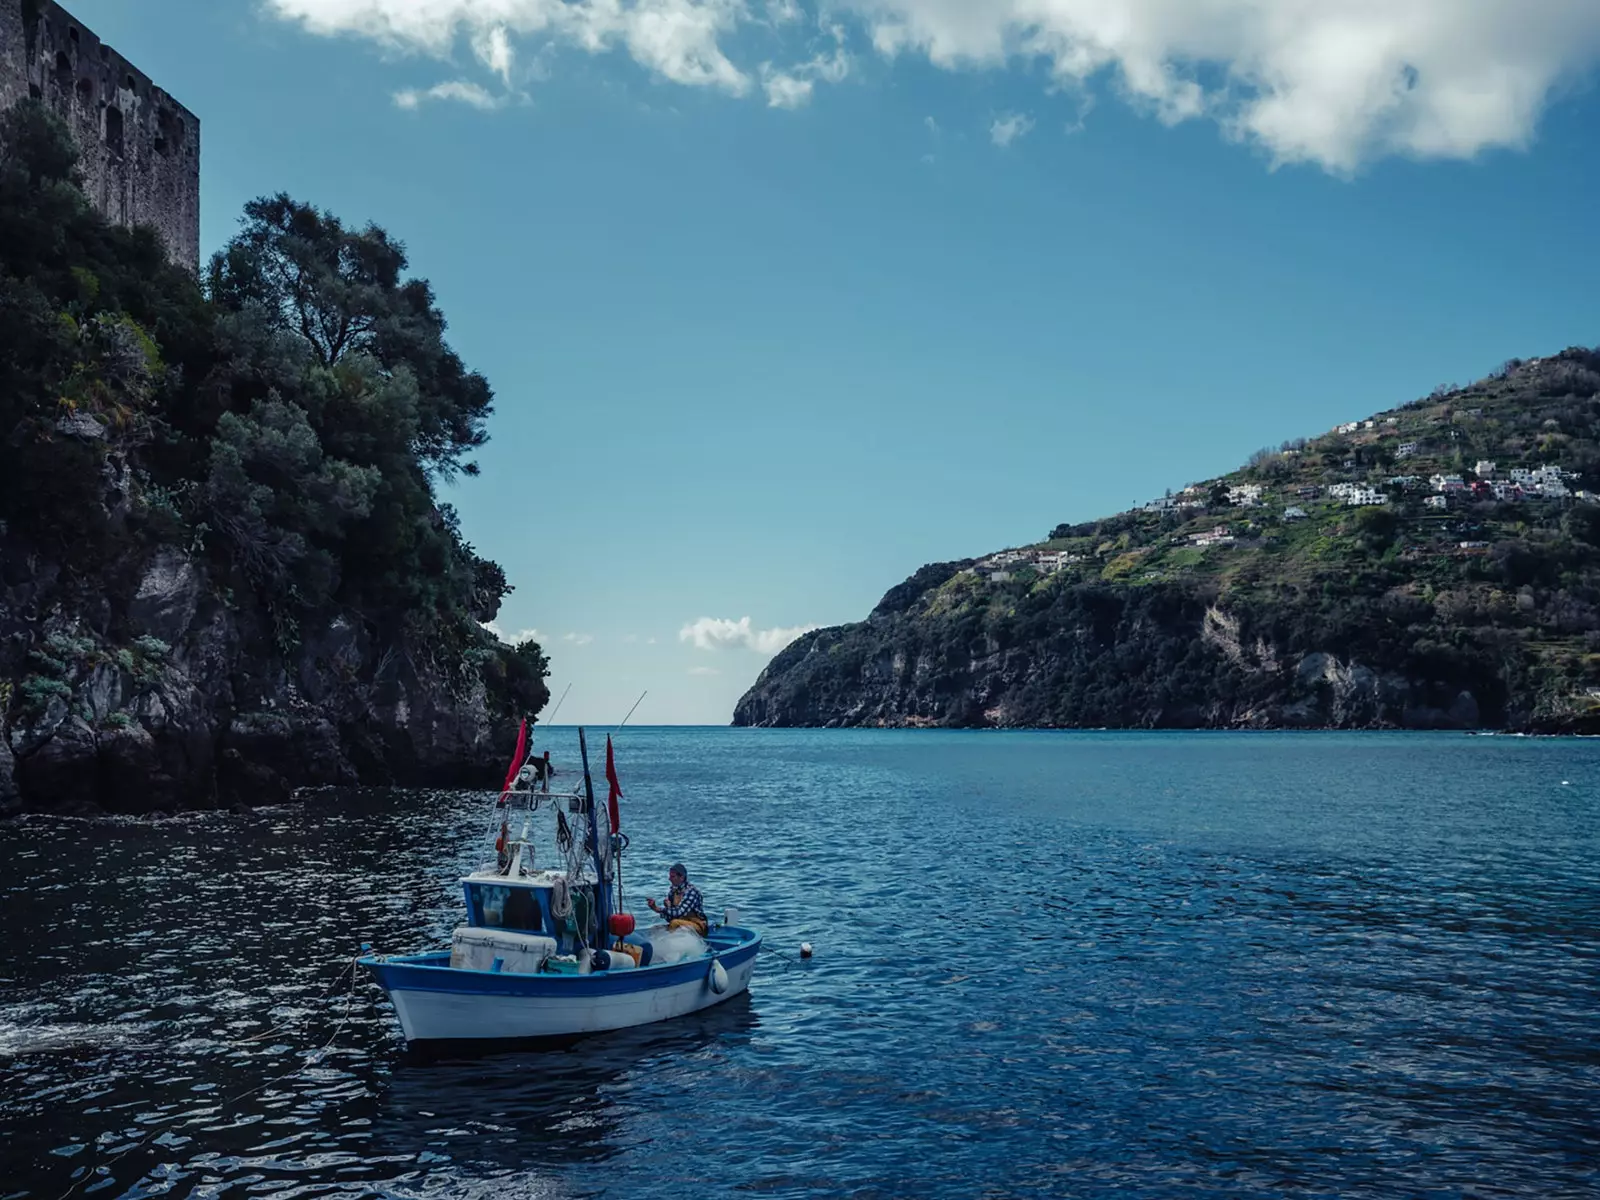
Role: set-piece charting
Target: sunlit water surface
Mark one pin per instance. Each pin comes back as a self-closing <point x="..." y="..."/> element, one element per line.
<point x="1046" y="965"/>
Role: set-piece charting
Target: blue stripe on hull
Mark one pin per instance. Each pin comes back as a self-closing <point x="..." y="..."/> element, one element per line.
<point x="433" y="973"/>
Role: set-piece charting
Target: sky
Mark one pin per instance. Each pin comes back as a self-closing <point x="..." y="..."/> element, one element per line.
<point x="781" y="301"/>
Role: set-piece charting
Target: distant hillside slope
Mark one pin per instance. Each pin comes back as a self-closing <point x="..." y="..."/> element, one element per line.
<point x="1434" y="566"/>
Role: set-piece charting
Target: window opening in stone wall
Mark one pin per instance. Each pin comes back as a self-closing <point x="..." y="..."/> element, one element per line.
<point x="85" y="90"/>
<point x="114" y="129"/>
<point x="131" y="84"/>
<point x="63" y="69"/>
<point x="72" y="33"/>
<point x="34" y="93"/>
<point x="168" y="130"/>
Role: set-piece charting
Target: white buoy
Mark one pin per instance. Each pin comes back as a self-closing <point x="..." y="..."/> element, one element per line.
<point x="719" y="977"/>
<point x="805" y="949"/>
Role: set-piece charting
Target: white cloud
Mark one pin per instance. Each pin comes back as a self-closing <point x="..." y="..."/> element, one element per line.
<point x="784" y="91"/>
<point x="1337" y="83"/>
<point x="493" y="48"/>
<point x="1009" y="127"/>
<point x="716" y="633"/>
<point x="457" y="89"/>
<point x="703" y="671"/>
<point x="784" y="12"/>
<point x="792" y="86"/>
<point x="1332" y="82"/>
<point x="932" y="125"/>
<point x="578" y="639"/>
<point x="513" y="639"/>
<point x="675" y="39"/>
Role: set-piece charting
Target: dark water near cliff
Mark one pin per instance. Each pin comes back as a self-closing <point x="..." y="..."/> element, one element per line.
<point x="1047" y="965"/>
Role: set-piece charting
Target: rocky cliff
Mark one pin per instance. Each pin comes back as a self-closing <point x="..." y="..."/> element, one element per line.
<point x="224" y="569"/>
<point x="152" y="688"/>
<point x="1435" y="566"/>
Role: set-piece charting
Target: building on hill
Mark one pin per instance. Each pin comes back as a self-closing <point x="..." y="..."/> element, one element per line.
<point x="1220" y="536"/>
<point x="1483" y="469"/>
<point x="1408" y="450"/>
<point x="1437" y="502"/>
<point x="1245" y="495"/>
<point x="1294" y="513"/>
<point x="1357" y="495"/>
<point x="1348" y="427"/>
<point x="139" y="148"/>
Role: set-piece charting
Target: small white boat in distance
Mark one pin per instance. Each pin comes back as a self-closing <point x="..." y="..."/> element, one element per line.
<point x="548" y="949"/>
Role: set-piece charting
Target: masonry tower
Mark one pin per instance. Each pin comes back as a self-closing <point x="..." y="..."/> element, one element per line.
<point x="139" y="148"/>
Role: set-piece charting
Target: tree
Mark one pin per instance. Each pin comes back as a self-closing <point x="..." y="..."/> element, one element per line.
<point x="343" y="292"/>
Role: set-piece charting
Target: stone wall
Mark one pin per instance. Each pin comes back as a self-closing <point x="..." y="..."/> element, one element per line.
<point x="140" y="148"/>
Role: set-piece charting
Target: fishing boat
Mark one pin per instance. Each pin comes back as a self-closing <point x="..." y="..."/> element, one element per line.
<point x="548" y="948"/>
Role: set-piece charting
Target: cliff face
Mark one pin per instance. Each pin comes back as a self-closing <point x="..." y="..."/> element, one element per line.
<point x="1159" y="658"/>
<point x="152" y="688"/>
<point x="1436" y="567"/>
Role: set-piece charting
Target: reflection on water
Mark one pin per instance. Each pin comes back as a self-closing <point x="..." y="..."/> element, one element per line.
<point x="1046" y="965"/>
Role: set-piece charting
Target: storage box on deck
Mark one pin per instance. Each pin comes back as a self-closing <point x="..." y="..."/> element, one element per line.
<point x="519" y="953"/>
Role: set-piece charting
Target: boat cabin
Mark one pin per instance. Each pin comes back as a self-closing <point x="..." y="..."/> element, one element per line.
<point x="529" y="904"/>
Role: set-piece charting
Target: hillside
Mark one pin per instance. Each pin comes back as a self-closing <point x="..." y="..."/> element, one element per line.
<point x="224" y="571"/>
<point x="1431" y="566"/>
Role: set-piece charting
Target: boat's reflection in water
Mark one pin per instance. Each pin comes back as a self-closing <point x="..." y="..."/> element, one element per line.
<point x="511" y="1106"/>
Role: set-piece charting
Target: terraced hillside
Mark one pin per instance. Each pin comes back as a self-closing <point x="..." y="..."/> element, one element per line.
<point x="1435" y="565"/>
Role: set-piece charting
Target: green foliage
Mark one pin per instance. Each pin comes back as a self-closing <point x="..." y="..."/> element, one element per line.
<point x="288" y="427"/>
<point x="343" y="293"/>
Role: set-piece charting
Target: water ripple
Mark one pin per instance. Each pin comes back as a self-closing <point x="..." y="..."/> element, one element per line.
<point x="1046" y="965"/>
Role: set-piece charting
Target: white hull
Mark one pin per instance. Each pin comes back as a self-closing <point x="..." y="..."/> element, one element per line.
<point x="449" y="1015"/>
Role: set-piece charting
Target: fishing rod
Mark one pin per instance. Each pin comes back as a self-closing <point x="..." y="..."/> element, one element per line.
<point x="631" y="711"/>
<point x="551" y="718"/>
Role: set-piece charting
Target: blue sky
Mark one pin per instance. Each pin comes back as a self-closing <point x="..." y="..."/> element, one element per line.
<point x="780" y="304"/>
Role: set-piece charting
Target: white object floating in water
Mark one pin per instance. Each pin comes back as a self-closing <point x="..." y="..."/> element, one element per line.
<point x="1564" y="783"/>
<point x="805" y="949"/>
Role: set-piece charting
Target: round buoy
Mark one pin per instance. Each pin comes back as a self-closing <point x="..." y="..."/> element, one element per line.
<point x="621" y="924"/>
<point x="805" y="949"/>
<point x="719" y="977"/>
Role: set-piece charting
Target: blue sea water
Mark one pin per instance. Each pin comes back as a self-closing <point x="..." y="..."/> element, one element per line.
<point x="1046" y="965"/>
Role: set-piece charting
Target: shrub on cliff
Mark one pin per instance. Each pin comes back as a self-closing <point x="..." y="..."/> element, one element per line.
<point x="286" y="422"/>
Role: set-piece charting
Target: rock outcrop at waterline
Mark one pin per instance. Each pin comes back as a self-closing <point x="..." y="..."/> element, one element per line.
<point x="1435" y="567"/>
<point x="157" y="692"/>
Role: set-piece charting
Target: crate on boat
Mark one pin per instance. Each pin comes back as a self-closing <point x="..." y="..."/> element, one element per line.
<point x="498" y="950"/>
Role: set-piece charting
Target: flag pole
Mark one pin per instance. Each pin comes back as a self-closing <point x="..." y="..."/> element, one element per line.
<point x="602" y="892"/>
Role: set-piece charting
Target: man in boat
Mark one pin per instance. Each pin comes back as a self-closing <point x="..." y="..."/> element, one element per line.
<point x="683" y="908"/>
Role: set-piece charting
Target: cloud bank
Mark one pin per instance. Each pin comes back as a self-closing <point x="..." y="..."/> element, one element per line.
<point x="513" y="639"/>
<point x="717" y="633"/>
<point x="460" y="90"/>
<point x="1336" y="83"/>
<point x="1008" y="128"/>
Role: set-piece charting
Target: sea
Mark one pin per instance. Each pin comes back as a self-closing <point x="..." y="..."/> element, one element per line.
<point x="1044" y="965"/>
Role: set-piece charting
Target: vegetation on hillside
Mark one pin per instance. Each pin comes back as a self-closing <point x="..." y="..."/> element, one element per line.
<point x="1412" y="545"/>
<point x="285" y="421"/>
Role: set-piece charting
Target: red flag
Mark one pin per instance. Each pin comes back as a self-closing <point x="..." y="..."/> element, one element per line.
<point x="516" y="761"/>
<point x="616" y="788"/>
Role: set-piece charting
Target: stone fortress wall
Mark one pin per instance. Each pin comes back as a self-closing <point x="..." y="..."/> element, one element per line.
<point x="140" y="148"/>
